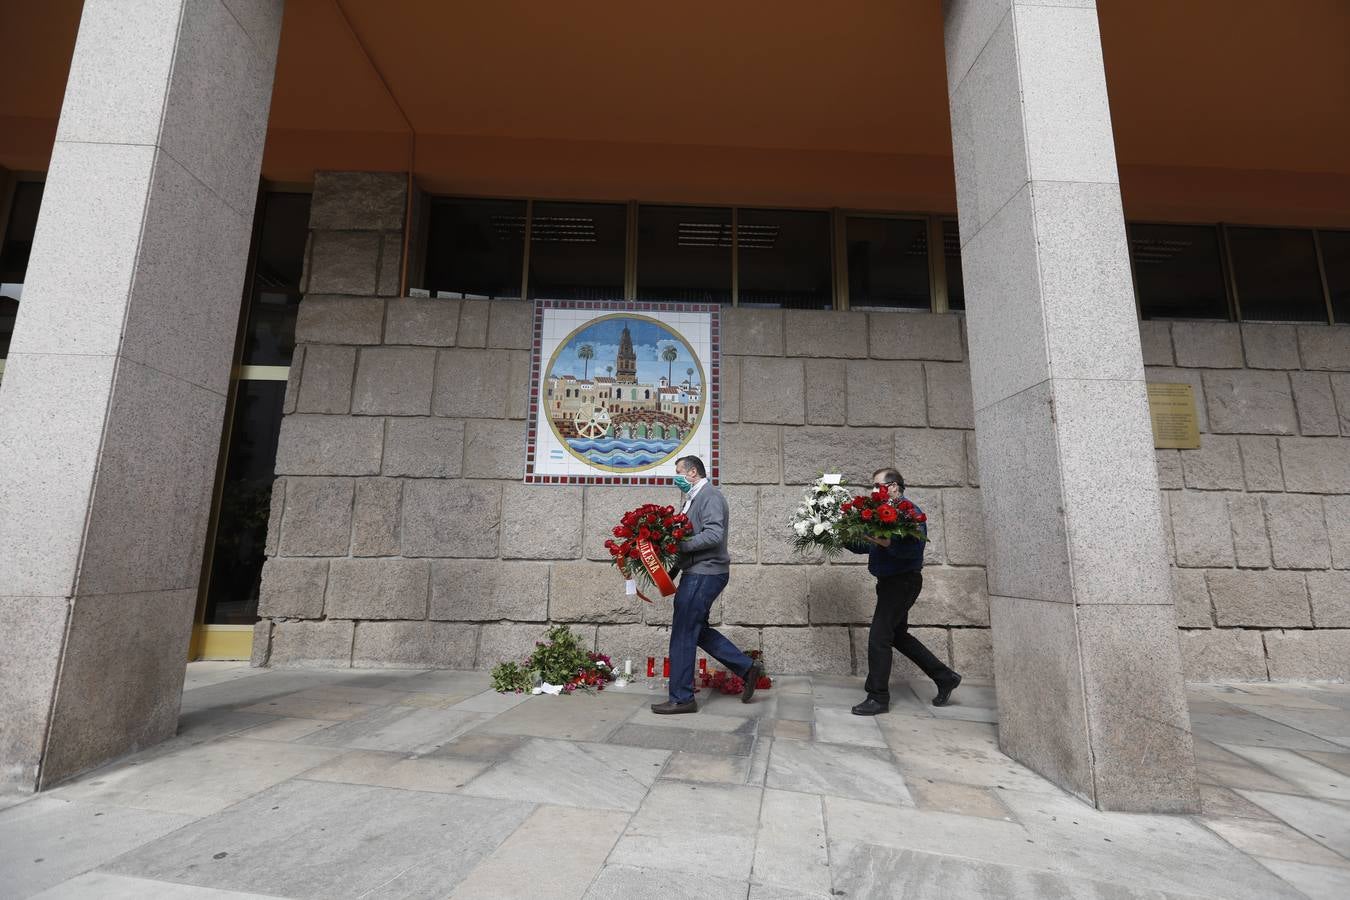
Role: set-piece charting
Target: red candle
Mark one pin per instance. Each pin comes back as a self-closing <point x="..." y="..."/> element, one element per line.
<point x="703" y="666"/>
<point x="665" y="667"/>
<point x="651" y="667"/>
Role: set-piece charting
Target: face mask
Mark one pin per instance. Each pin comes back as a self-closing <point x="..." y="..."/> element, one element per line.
<point x="683" y="484"/>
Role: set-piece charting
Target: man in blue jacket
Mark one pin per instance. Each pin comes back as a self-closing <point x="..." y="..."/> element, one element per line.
<point x="898" y="567"/>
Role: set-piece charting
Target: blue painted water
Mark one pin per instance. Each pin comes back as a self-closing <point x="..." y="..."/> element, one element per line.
<point x="621" y="453"/>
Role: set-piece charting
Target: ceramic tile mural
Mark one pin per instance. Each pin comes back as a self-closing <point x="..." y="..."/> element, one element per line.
<point x="619" y="391"/>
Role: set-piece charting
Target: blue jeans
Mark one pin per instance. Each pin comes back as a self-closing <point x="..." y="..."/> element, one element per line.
<point x="689" y="630"/>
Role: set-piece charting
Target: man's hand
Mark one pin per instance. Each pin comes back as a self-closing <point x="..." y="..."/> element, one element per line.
<point x="880" y="542"/>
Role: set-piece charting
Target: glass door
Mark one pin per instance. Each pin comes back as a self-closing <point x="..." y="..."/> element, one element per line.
<point x="236" y="540"/>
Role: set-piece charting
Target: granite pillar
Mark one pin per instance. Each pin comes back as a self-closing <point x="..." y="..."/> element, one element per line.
<point x="114" y="396"/>
<point x="1087" y="663"/>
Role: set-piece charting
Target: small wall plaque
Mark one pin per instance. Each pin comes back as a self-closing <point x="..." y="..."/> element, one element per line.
<point x="1171" y="407"/>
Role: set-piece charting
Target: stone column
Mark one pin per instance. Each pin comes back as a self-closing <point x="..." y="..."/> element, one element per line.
<point x="114" y="394"/>
<point x="1087" y="666"/>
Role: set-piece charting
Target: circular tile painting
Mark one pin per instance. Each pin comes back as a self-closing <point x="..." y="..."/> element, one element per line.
<point x="624" y="393"/>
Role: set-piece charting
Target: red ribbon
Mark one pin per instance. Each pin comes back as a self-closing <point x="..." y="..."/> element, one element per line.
<point x="652" y="563"/>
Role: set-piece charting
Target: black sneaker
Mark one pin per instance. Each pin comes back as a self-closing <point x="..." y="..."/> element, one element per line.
<point x="752" y="678"/>
<point x="945" y="689"/>
<point x="671" y="708"/>
<point x="870" y="707"/>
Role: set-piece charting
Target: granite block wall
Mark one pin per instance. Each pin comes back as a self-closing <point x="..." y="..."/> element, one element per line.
<point x="401" y="533"/>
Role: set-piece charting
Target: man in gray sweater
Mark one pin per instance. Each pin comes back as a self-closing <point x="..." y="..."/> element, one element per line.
<point x="705" y="564"/>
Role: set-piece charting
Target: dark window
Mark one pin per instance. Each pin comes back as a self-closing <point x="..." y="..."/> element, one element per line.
<point x="784" y="259"/>
<point x="475" y="248"/>
<point x="1275" y="271"/>
<point x="577" y="251"/>
<point x="684" y="254"/>
<point x="951" y="252"/>
<point x="18" y="243"/>
<point x="269" y="336"/>
<point x="887" y="262"/>
<point x="1178" y="272"/>
<point x="241" y="531"/>
<point x="1336" y="259"/>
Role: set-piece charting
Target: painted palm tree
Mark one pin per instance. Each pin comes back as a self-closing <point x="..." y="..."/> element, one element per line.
<point x="609" y="370"/>
<point x="587" y="353"/>
<point x="689" y="378"/>
<point x="670" y="354"/>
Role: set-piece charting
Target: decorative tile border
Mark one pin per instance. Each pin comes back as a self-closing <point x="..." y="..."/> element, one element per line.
<point x="713" y="388"/>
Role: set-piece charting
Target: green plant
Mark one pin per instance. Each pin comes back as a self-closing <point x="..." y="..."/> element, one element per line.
<point x="560" y="659"/>
<point x="510" y="678"/>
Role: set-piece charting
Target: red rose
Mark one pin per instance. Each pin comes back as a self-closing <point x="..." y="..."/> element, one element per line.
<point x="921" y="517"/>
<point x="867" y="515"/>
<point x="906" y="505"/>
<point x="671" y="548"/>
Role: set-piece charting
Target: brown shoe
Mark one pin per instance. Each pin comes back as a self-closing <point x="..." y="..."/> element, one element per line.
<point x="671" y="708"/>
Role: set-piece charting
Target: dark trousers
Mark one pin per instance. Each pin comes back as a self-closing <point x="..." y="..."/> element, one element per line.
<point x="690" y="630"/>
<point x="890" y="628"/>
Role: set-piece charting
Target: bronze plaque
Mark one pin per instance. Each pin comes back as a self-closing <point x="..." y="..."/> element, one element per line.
<point x="1172" y="409"/>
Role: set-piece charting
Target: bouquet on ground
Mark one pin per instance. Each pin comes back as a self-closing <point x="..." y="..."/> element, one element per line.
<point x="559" y="665"/>
<point x="879" y="515"/>
<point x="815" y="520"/>
<point x="646" y="544"/>
<point x="726" y="683"/>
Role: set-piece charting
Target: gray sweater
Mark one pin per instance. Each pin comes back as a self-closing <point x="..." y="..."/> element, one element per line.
<point x="705" y="551"/>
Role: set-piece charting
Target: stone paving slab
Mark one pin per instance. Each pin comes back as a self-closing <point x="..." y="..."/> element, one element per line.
<point x="594" y="776"/>
<point x="102" y="886"/>
<point x="407" y="729"/>
<point x="1273" y="840"/>
<point x="576" y="718"/>
<point x="693" y="828"/>
<point x="578" y="841"/>
<point x="864" y="773"/>
<point x="868" y="870"/>
<point x="791" y="850"/>
<point x="621" y="882"/>
<point x="1318" y="882"/>
<point x="46" y="840"/>
<point x="1325" y="821"/>
<point x="412" y="783"/>
<point x="1311" y="777"/>
<point x="1161" y="853"/>
<point x="306" y="839"/>
<point x="197" y="780"/>
<point x="712" y="768"/>
<point x="437" y="774"/>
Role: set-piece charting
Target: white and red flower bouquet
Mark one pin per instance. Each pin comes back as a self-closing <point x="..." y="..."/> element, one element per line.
<point x="646" y="545"/>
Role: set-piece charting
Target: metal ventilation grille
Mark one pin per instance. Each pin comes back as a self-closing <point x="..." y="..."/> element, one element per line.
<point x="547" y="229"/>
<point x="718" y="234"/>
<point x="1155" y="250"/>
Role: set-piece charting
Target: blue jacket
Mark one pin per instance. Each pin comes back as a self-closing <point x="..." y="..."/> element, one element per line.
<point x="901" y="556"/>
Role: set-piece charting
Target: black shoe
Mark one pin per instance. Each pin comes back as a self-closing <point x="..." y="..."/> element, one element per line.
<point x="752" y="678"/>
<point x="945" y="689"/>
<point x="870" y="707"/>
<point x="671" y="708"/>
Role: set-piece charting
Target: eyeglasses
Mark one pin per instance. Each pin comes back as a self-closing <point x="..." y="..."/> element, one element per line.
<point x="881" y="486"/>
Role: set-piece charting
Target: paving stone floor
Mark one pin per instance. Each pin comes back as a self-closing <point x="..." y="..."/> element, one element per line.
<point x="328" y="784"/>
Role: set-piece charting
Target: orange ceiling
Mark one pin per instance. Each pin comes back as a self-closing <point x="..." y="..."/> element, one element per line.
<point x="794" y="100"/>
